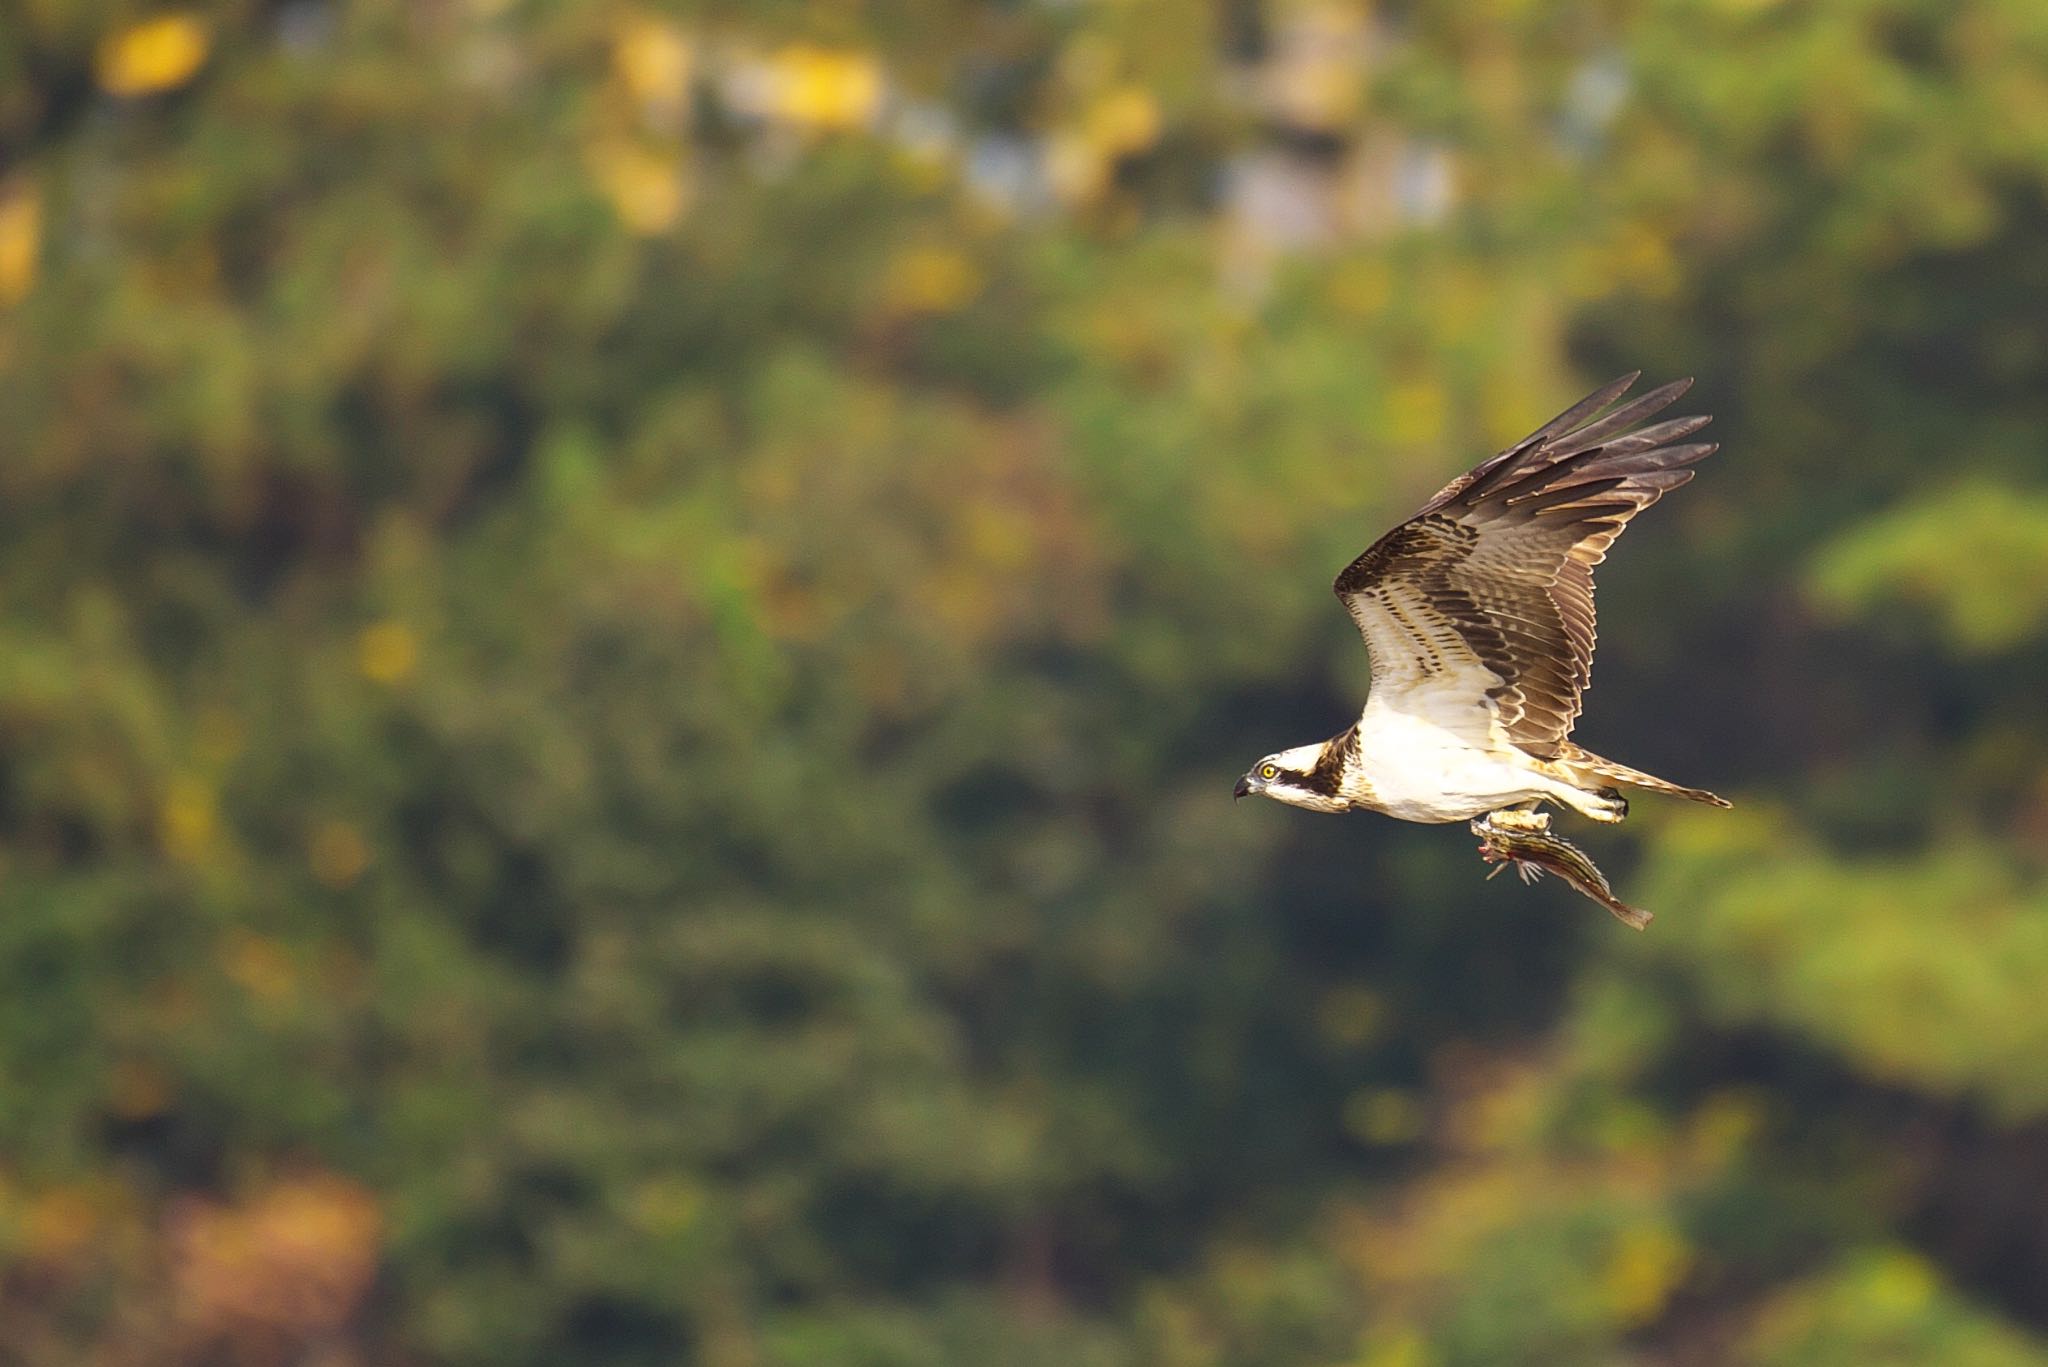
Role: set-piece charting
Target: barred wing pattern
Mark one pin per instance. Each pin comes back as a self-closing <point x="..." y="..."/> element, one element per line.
<point x="1489" y="588"/>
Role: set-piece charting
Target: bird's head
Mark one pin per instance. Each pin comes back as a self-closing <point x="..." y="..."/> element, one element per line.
<point x="1297" y="777"/>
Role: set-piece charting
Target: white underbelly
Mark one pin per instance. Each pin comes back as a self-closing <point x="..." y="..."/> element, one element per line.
<point x="1418" y="770"/>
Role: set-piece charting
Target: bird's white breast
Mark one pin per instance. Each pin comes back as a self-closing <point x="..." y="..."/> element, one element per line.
<point x="1434" y="752"/>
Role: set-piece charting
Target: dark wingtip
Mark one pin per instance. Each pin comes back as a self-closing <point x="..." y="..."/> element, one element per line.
<point x="1607" y="395"/>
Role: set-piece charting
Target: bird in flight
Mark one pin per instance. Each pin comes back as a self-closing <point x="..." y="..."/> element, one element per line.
<point x="1478" y="615"/>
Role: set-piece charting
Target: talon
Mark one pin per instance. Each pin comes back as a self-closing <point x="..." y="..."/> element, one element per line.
<point x="1514" y="820"/>
<point x="1607" y="805"/>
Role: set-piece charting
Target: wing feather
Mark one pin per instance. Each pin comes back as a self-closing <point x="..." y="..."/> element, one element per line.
<point x="1489" y="587"/>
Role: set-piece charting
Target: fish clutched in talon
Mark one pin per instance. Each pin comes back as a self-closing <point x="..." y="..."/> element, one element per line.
<point x="1532" y="850"/>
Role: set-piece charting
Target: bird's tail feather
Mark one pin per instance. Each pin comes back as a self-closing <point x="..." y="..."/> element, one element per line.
<point x="1586" y="762"/>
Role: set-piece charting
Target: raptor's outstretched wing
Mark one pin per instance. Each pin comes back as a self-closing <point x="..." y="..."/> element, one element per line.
<point x="1487" y="592"/>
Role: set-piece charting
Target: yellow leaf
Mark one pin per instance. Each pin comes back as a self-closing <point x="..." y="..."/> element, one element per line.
<point x="826" y="89"/>
<point x="21" y="238"/>
<point x="1648" y="1263"/>
<point x="654" y="59"/>
<point x="156" y="55"/>
<point x="646" y="187"/>
<point x="1123" y="122"/>
<point x="1898" y="1283"/>
<point x="1314" y="76"/>
<point x="387" y="652"/>
<point x="1080" y="157"/>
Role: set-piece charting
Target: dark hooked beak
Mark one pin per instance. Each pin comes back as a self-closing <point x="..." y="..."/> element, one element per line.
<point x="1244" y="787"/>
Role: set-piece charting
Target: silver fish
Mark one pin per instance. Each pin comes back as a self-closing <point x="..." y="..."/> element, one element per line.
<point x="1532" y="852"/>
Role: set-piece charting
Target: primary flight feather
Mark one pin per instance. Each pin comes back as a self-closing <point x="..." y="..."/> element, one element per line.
<point x="1478" y="614"/>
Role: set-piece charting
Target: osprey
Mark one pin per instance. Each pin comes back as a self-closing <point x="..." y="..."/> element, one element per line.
<point x="1478" y="615"/>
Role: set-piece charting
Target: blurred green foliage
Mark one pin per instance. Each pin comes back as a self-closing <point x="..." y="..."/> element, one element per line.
<point x="624" y="630"/>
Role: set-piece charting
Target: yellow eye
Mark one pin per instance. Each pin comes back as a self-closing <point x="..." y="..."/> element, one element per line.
<point x="1268" y="772"/>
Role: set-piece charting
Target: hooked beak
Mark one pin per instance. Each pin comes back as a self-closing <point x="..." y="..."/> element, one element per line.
<point x="1244" y="788"/>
